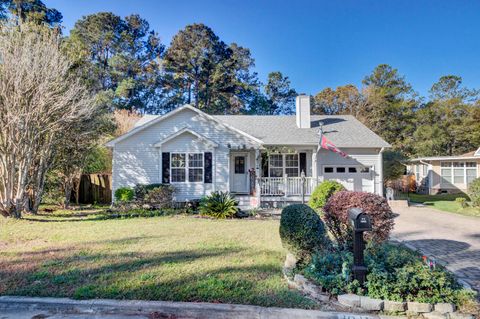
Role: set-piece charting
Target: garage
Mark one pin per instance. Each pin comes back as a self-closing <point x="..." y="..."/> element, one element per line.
<point x="353" y="177"/>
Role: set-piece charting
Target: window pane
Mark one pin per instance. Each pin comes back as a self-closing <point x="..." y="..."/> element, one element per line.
<point x="365" y="170"/>
<point x="291" y="171"/>
<point x="340" y="169"/>
<point x="445" y="164"/>
<point x="446" y="179"/>
<point x="239" y="164"/>
<point x="458" y="164"/>
<point x="178" y="160"/>
<point x="471" y="175"/>
<point x="291" y="160"/>
<point x="195" y="175"/>
<point x="458" y="179"/>
<point x="352" y="169"/>
<point x="471" y="164"/>
<point x="276" y="160"/>
<point x="195" y="160"/>
<point x="276" y="172"/>
<point x="447" y="172"/>
<point x="178" y="175"/>
<point x="328" y="169"/>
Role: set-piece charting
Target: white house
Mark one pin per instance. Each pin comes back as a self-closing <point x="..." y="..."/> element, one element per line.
<point x="445" y="174"/>
<point x="257" y="158"/>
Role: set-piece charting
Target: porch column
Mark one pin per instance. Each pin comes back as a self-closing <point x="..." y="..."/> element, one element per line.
<point x="314" y="166"/>
<point x="258" y="161"/>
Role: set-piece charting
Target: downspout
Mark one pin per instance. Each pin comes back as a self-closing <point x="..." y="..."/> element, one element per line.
<point x="380" y="171"/>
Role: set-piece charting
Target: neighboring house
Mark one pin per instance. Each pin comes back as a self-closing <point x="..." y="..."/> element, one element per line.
<point x="445" y="174"/>
<point x="200" y="153"/>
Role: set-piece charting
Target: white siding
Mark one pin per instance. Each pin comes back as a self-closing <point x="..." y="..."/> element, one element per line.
<point x="357" y="156"/>
<point x="136" y="160"/>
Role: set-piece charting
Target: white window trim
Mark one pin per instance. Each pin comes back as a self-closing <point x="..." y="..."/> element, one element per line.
<point x="284" y="162"/>
<point x="186" y="168"/>
<point x="452" y="168"/>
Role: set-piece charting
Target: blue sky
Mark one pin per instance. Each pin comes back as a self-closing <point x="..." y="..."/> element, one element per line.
<point x="322" y="44"/>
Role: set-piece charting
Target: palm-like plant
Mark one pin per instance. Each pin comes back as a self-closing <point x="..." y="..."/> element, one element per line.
<point x="219" y="205"/>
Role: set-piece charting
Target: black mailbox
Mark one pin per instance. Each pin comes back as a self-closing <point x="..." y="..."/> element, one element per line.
<point x="360" y="223"/>
<point x="359" y="220"/>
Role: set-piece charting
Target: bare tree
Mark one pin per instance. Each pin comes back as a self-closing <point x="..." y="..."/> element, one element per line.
<point x="40" y="99"/>
<point x="125" y="121"/>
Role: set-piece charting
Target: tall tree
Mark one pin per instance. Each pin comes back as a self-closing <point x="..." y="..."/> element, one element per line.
<point x="344" y="100"/>
<point x="39" y="99"/>
<point x="448" y="123"/>
<point x="204" y="71"/>
<point x="30" y="11"/>
<point x="120" y="56"/>
<point x="280" y="95"/>
<point x="390" y="107"/>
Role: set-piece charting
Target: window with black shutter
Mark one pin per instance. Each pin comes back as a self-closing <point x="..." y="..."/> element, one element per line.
<point x="166" y="168"/>
<point x="208" y="167"/>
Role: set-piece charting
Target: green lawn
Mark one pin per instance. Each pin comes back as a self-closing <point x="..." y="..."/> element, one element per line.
<point x="445" y="202"/>
<point x="180" y="258"/>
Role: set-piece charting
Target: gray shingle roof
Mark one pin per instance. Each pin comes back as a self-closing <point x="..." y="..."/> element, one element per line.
<point x="342" y="130"/>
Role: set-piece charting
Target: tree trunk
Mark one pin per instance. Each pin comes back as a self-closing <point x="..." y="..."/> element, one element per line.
<point x="67" y="187"/>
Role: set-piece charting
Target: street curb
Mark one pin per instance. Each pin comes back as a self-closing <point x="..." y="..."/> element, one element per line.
<point x="165" y="309"/>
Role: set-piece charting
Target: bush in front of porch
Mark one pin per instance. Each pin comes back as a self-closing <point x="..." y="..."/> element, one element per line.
<point x="322" y="193"/>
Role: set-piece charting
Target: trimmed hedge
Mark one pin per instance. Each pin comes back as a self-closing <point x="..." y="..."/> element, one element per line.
<point x="302" y="231"/>
<point x="323" y="192"/>
<point x="336" y="216"/>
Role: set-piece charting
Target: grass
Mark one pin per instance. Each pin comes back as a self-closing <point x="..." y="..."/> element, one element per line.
<point x="446" y="203"/>
<point x="178" y="258"/>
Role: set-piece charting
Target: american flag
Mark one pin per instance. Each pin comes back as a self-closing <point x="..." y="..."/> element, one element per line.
<point x="324" y="143"/>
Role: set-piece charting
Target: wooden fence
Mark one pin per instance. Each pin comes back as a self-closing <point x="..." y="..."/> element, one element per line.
<point x="95" y="189"/>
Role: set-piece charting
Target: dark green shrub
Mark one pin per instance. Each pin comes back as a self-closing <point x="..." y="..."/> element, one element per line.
<point x="474" y="192"/>
<point x="302" y="231"/>
<point x="394" y="273"/>
<point x="336" y="216"/>
<point x="332" y="270"/>
<point x="141" y="190"/>
<point x="218" y="205"/>
<point x="160" y="197"/>
<point x="322" y="193"/>
<point x="124" y="194"/>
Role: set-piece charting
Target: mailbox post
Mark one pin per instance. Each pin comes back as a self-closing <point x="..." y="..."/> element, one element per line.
<point x="360" y="223"/>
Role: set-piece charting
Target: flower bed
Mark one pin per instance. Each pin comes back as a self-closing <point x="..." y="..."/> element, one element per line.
<point x="398" y="279"/>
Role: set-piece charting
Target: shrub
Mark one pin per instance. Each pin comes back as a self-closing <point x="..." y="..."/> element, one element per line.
<point x="302" y="231"/>
<point x="124" y="194"/>
<point x="336" y="216"/>
<point x="474" y="192"/>
<point x="322" y="193"/>
<point x="462" y="201"/>
<point x="218" y="205"/>
<point x="331" y="270"/>
<point x="141" y="190"/>
<point x="394" y="273"/>
<point x="161" y="196"/>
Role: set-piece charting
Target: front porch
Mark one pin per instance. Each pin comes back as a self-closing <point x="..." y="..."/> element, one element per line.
<point x="260" y="176"/>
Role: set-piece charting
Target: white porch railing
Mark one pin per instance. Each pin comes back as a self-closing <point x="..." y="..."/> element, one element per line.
<point x="286" y="186"/>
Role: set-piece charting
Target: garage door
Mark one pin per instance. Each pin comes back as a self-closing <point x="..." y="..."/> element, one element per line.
<point x="354" y="178"/>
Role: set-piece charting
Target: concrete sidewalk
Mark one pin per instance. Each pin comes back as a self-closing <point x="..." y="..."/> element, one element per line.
<point x="39" y="308"/>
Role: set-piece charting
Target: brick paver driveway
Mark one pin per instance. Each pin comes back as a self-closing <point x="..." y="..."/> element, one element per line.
<point x="450" y="238"/>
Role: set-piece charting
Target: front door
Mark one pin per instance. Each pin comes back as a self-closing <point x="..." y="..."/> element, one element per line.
<point x="240" y="174"/>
